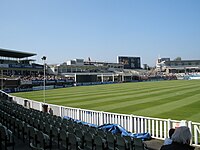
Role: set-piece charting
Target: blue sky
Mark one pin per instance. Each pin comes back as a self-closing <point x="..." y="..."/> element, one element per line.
<point x="101" y="29"/>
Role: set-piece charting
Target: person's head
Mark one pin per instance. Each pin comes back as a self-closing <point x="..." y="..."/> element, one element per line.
<point x="182" y="135"/>
<point x="171" y="132"/>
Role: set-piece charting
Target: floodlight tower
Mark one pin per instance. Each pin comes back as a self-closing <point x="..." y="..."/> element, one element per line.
<point x="2" y="79"/>
<point x="44" y="60"/>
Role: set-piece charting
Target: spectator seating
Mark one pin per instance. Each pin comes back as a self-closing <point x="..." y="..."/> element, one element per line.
<point x="44" y="131"/>
<point x="6" y="138"/>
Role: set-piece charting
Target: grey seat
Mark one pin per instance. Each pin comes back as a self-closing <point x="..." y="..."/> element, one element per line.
<point x="34" y="147"/>
<point x="79" y="133"/>
<point x="56" y="135"/>
<point x="48" y="131"/>
<point x="88" y="141"/>
<point x="85" y="128"/>
<point x="12" y="123"/>
<point x="6" y="138"/>
<point x="26" y="131"/>
<point x="70" y="129"/>
<point x="99" y="143"/>
<point x="64" y="127"/>
<point x="92" y="130"/>
<point x="57" y="124"/>
<point x="65" y="121"/>
<point x="8" y="120"/>
<point x="32" y="134"/>
<point x="139" y="144"/>
<point x="111" y="141"/>
<point x="101" y="133"/>
<point x="130" y="142"/>
<point x="64" y="139"/>
<point x="77" y="126"/>
<point x="36" y="123"/>
<point x="121" y="143"/>
<point x="73" y="142"/>
<point x="31" y="121"/>
<point x="43" y="140"/>
<point x="42" y="126"/>
<point x="20" y="128"/>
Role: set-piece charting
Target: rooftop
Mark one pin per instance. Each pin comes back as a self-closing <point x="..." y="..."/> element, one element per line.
<point x="14" y="53"/>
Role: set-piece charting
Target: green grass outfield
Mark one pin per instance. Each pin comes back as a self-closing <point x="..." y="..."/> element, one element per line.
<point x="179" y="99"/>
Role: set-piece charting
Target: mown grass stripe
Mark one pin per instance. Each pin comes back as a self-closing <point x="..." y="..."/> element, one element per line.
<point x="188" y="111"/>
<point x="116" y="99"/>
<point x="67" y="94"/>
<point x="148" y="98"/>
<point x="125" y="106"/>
<point x="167" y="107"/>
<point x="94" y="89"/>
<point x="85" y="97"/>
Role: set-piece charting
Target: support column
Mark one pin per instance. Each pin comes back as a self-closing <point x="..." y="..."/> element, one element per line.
<point x="101" y="77"/>
<point x="122" y="78"/>
<point x="75" y="77"/>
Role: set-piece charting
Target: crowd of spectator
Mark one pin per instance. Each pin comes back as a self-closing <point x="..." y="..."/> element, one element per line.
<point x="41" y="77"/>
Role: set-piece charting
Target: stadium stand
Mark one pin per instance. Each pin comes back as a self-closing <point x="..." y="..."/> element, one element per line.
<point x="33" y="129"/>
<point x="18" y="72"/>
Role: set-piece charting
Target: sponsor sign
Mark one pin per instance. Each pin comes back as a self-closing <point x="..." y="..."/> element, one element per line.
<point x="4" y="65"/>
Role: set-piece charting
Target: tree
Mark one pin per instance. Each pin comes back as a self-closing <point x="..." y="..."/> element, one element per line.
<point x="178" y="59"/>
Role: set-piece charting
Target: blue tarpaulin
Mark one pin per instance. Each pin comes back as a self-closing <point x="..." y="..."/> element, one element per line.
<point x="79" y="121"/>
<point x="115" y="129"/>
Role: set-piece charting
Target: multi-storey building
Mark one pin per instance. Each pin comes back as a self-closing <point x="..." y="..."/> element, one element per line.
<point x="177" y="66"/>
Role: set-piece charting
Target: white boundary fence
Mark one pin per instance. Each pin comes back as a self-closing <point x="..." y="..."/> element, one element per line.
<point x="158" y="128"/>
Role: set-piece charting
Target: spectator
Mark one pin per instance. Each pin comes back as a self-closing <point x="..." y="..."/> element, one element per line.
<point x="180" y="140"/>
<point x="50" y="111"/>
<point x="169" y="140"/>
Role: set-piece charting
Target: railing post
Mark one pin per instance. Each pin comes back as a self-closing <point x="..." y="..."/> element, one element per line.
<point x="41" y="106"/>
<point x="189" y="125"/>
<point x="165" y="130"/>
<point x="101" y="118"/>
<point x="31" y="103"/>
<point x="169" y="125"/>
<point x="14" y="98"/>
<point x="153" y="128"/>
<point x="78" y="114"/>
<point x="142" y="125"/>
<point x="131" y="123"/>
<point x="196" y="132"/>
<point x="60" y="111"/>
<point x="183" y="123"/>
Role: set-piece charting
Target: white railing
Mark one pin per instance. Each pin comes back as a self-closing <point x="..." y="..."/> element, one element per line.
<point x="158" y="128"/>
<point x="195" y="129"/>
